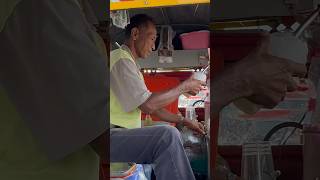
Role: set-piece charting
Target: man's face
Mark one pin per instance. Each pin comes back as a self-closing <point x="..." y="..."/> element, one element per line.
<point x="145" y="42"/>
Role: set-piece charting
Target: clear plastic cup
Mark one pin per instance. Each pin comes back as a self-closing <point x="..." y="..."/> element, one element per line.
<point x="191" y="113"/>
<point x="257" y="162"/>
<point x="201" y="76"/>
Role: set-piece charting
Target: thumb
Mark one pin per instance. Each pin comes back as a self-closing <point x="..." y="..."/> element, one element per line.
<point x="264" y="46"/>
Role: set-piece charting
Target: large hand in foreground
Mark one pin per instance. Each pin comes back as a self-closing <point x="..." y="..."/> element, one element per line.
<point x="261" y="78"/>
<point x="267" y="77"/>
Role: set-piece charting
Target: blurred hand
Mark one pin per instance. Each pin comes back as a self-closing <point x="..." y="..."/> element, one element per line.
<point x="267" y="78"/>
<point x="192" y="86"/>
<point x="194" y="126"/>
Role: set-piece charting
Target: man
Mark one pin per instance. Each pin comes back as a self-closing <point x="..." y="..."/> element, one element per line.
<point x="260" y="77"/>
<point x="53" y="96"/>
<point x="129" y="94"/>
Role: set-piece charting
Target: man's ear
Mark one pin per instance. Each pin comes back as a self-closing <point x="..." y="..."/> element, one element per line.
<point x="134" y="33"/>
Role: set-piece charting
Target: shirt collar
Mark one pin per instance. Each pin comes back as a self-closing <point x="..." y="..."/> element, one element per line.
<point x="126" y="48"/>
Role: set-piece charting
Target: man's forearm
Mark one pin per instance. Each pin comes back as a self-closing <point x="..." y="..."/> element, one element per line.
<point x="167" y="116"/>
<point x="159" y="100"/>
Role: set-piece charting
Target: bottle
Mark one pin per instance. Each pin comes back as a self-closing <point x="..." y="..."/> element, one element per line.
<point x="148" y="120"/>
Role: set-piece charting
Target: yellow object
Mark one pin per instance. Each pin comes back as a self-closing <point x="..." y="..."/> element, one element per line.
<point x="117" y="115"/>
<point x="131" y="4"/>
<point x="121" y="170"/>
<point x="148" y="120"/>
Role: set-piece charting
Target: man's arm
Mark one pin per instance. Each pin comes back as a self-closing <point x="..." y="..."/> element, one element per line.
<point x="161" y="99"/>
<point x="167" y="116"/>
<point x="132" y="93"/>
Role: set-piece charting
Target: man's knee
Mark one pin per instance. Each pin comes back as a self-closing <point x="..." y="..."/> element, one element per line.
<point x="171" y="134"/>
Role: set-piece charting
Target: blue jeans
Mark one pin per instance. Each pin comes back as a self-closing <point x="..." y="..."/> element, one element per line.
<point x="158" y="145"/>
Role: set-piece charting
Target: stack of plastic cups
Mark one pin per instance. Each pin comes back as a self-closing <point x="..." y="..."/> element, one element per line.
<point x="311" y="144"/>
<point x="257" y="162"/>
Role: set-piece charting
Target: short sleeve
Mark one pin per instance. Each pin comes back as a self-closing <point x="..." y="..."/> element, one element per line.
<point x="127" y="85"/>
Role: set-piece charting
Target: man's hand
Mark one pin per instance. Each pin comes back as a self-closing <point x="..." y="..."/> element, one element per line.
<point x="194" y="126"/>
<point x="192" y="86"/>
<point x="260" y="77"/>
<point x="268" y="77"/>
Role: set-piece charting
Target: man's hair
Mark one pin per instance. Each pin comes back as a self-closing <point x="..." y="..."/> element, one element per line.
<point x="138" y="20"/>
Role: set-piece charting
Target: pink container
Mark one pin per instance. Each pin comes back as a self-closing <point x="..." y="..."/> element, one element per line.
<point x="195" y="40"/>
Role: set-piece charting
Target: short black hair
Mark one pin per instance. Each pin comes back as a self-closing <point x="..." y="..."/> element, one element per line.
<point x="137" y="21"/>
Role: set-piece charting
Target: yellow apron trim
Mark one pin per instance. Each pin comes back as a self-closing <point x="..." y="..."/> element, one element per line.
<point x="117" y="115"/>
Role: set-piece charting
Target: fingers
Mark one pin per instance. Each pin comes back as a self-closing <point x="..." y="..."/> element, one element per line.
<point x="273" y="76"/>
<point x="274" y="92"/>
<point x="187" y="95"/>
<point x="203" y="83"/>
<point x="201" y="126"/>
<point x="195" y="87"/>
<point x="291" y="84"/>
<point x="193" y="93"/>
<point x="279" y="86"/>
<point x="201" y="130"/>
<point x="295" y="69"/>
<point x="283" y="83"/>
<point x="197" y="127"/>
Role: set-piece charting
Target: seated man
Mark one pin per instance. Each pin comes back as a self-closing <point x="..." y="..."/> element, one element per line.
<point x="261" y="78"/>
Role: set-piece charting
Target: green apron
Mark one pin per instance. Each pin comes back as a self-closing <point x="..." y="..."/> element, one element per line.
<point x="117" y="115"/>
